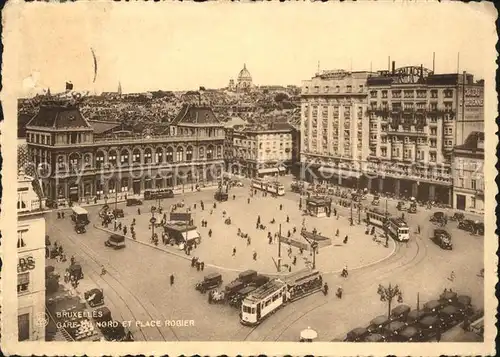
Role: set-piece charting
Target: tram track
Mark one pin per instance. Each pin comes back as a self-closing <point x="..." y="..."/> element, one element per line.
<point x="119" y="289"/>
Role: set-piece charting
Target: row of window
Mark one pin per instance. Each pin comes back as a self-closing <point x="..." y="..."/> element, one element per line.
<point x="410" y="93"/>
<point x="337" y="89"/>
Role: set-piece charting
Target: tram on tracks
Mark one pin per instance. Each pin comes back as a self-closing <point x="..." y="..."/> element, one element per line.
<point x="270" y="297"/>
<point x="268" y="186"/>
<point x="377" y="217"/>
<point x="398" y="229"/>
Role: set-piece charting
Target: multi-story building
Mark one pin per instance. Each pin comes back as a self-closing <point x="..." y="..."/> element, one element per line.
<point x="80" y="159"/>
<point x="334" y="126"/>
<point x="414" y="121"/>
<point x="31" y="259"/>
<point x="468" y="174"/>
<point x="263" y="151"/>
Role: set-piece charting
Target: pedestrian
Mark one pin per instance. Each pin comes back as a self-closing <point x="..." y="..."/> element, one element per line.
<point x="289" y="268"/>
<point x="248" y="200"/>
<point x="289" y="234"/>
<point x="215" y="205"/>
<point x="47" y="252"/>
<point x="337" y="233"/>
<point x="198" y="265"/>
<point x="294" y="230"/>
<point x="202" y="266"/>
<point x="258" y="220"/>
<point x="234" y="251"/>
<point x="345" y="239"/>
<point x="438" y="335"/>
<point x="234" y="197"/>
<point x="62" y="214"/>
<point x="58" y="215"/>
<point x="287" y="219"/>
<point x="254" y="255"/>
<point x="452" y="276"/>
<point x="72" y="260"/>
<point x="270" y="240"/>
<point x="172" y="279"/>
<point x="294" y="260"/>
<point x="248" y="241"/>
<point x="418" y="229"/>
<point x="281" y="207"/>
<point x="210" y="233"/>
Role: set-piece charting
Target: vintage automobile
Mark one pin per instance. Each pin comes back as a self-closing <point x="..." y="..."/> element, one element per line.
<point x="102" y="314"/>
<point x="116" y="241"/>
<point x="415" y="316"/>
<point x="458" y="216"/>
<point x="429" y="326"/>
<point x="400" y="312"/>
<point x="221" y="196"/>
<point x="438" y="217"/>
<point x="75" y="270"/>
<point x="210" y="281"/>
<point x="450" y="316"/>
<point x="94" y="297"/>
<point x="463" y="302"/>
<point x="412" y="208"/>
<point x="233" y="287"/>
<point x="410" y="334"/>
<point x="471" y="226"/>
<point x="378" y="324"/>
<point x="376" y="200"/>
<point x="236" y="183"/>
<point x="433" y="306"/>
<point x="80" y="228"/>
<point x="238" y="297"/>
<point x="134" y="202"/>
<point x="443" y="239"/>
<point x="259" y="280"/>
<point x="118" y="213"/>
<point x="247" y="276"/>
<point x="479" y="228"/>
<point x="374" y="337"/>
<point x="393" y="329"/>
<point x="356" y="335"/>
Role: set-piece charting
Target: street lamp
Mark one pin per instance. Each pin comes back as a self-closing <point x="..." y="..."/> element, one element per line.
<point x="388" y="294"/>
<point x="279" y="249"/>
<point x="152" y="221"/>
<point x="351" y="220"/>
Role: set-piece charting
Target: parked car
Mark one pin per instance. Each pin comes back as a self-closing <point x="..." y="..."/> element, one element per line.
<point x="393" y="329"/>
<point x="450" y="316"/>
<point x="118" y="213"/>
<point x="433" y="306"/>
<point x="356" y="335"/>
<point x="400" y="312"/>
<point x="134" y="202"/>
<point x="458" y="216"/>
<point x="443" y="239"/>
<point x="210" y="281"/>
<point x="221" y="196"/>
<point x="463" y="302"/>
<point x="448" y="297"/>
<point x="415" y="315"/>
<point x="429" y="326"/>
<point x="378" y="324"/>
<point x="402" y="206"/>
<point x="437" y="217"/>
<point x="374" y="337"/>
<point x="410" y="334"/>
<point x="471" y="226"/>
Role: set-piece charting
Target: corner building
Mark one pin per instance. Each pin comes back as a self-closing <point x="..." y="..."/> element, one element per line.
<point x="416" y="118"/>
<point x="81" y="160"/>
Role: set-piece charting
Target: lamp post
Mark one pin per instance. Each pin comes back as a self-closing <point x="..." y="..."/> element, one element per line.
<point x="314" y="246"/>
<point x="152" y="221"/>
<point x="387" y="294"/>
<point x="351" y="220"/>
<point x="279" y="249"/>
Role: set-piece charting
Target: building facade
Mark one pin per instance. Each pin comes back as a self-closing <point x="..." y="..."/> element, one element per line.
<point x="260" y="152"/>
<point x="31" y="260"/>
<point x="414" y="116"/>
<point x="82" y="160"/>
<point x="468" y="174"/>
<point x="334" y="126"/>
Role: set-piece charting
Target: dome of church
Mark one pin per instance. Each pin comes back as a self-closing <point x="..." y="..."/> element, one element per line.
<point x="244" y="74"/>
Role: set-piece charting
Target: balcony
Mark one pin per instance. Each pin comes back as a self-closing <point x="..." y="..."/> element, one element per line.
<point x="30" y="206"/>
<point x="402" y="130"/>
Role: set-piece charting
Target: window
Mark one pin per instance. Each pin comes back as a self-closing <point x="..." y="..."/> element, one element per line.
<point x="433" y="157"/>
<point x="21" y="200"/>
<point x="384" y="94"/>
<point x="473" y="184"/>
<point x="448" y="93"/>
<point x="23" y="282"/>
<point x="169" y="155"/>
<point x="409" y="94"/>
<point x="201" y="153"/>
<point x="111" y="158"/>
<point x="373" y="94"/>
<point x="396" y="94"/>
<point x="20" y="239"/>
<point x="148" y="156"/>
<point x="136" y="156"/>
<point x="473" y="202"/>
<point x="349" y="89"/>
<point x="189" y="153"/>
<point x="179" y="154"/>
<point x="337" y="89"/>
<point x="434" y="93"/>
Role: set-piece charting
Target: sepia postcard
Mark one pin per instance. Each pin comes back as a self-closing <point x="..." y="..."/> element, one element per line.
<point x="248" y="178"/>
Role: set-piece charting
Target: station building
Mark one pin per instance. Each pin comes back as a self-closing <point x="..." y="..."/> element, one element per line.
<point x="79" y="159"/>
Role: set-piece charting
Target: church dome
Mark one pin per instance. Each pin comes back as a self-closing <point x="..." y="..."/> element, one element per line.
<point x="244" y="74"/>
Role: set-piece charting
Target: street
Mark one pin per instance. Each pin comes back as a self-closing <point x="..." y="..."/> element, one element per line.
<point x="137" y="286"/>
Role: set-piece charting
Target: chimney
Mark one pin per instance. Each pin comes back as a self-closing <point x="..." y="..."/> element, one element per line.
<point x="393" y="67"/>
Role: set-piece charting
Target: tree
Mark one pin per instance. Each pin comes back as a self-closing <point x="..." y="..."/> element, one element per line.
<point x="388" y="294"/>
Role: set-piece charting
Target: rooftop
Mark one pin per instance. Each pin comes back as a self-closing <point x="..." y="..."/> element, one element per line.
<point x="197" y="115"/>
<point x="58" y="114"/>
<point x="473" y="143"/>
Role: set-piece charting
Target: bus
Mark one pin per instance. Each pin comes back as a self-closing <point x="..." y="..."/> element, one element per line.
<point x="398" y="229"/>
<point x="271" y="187"/>
<point x="80" y="215"/>
<point x="158" y="194"/>
<point x="377" y="217"/>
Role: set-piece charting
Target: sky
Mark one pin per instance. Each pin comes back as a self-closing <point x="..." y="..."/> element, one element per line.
<point x="181" y="46"/>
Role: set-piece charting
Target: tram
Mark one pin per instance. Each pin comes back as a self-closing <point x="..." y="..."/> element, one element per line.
<point x="271" y="187"/>
<point x="159" y="193"/>
<point x="377" y="217"/>
<point x="270" y="297"/>
<point x="398" y="229"/>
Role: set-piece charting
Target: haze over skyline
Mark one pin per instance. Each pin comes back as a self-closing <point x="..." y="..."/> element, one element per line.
<point x="182" y="46"/>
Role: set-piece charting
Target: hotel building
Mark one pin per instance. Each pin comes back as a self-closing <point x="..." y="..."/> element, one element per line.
<point x="80" y="159"/>
<point x="405" y="138"/>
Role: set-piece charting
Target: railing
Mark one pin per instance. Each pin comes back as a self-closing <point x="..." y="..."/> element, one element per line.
<point x="29" y="206"/>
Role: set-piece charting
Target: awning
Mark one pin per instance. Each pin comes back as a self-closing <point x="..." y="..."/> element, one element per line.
<point x="282" y="168"/>
<point x="268" y="170"/>
<point x="339" y="172"/>
<point x="189" y="235"/>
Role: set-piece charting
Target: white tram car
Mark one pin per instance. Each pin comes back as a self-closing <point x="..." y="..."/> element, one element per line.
<point x="398" y="229"/>
<point x="268" y="186"/>
<point x="273" y="295"/>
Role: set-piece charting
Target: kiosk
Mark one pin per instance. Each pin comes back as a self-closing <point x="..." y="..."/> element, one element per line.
<point x="319" y="206"/>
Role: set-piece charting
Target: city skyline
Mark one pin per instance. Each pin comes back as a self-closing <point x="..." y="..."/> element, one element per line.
<point x="212" y="57"/>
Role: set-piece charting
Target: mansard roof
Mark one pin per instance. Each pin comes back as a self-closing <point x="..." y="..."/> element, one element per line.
<point x="59" y="115"/>
<point x="196" y="115"/>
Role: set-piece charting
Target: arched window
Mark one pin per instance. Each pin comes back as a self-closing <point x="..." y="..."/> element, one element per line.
<point x="158" y="181"/>
<point x="124" y="157"/>
<point x="111" y="186"/>
<point x="147" y="183"/>
<point x="136" y="156"/>
<point x="210" y="152"/>
<point x="169" y="155"/>
<point x="74" y="160"/>
<point x="124" y="185"/>
<point x="189" y="153"/>
<point x="112" y="157"/>
<point x="201" y="154"/>
<point x="179" y="154"/>
<point x="159" y="155"/>
<point x="219" y="151"/>
<point x="99" y="160"/>
<point x="148" y="156"/>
